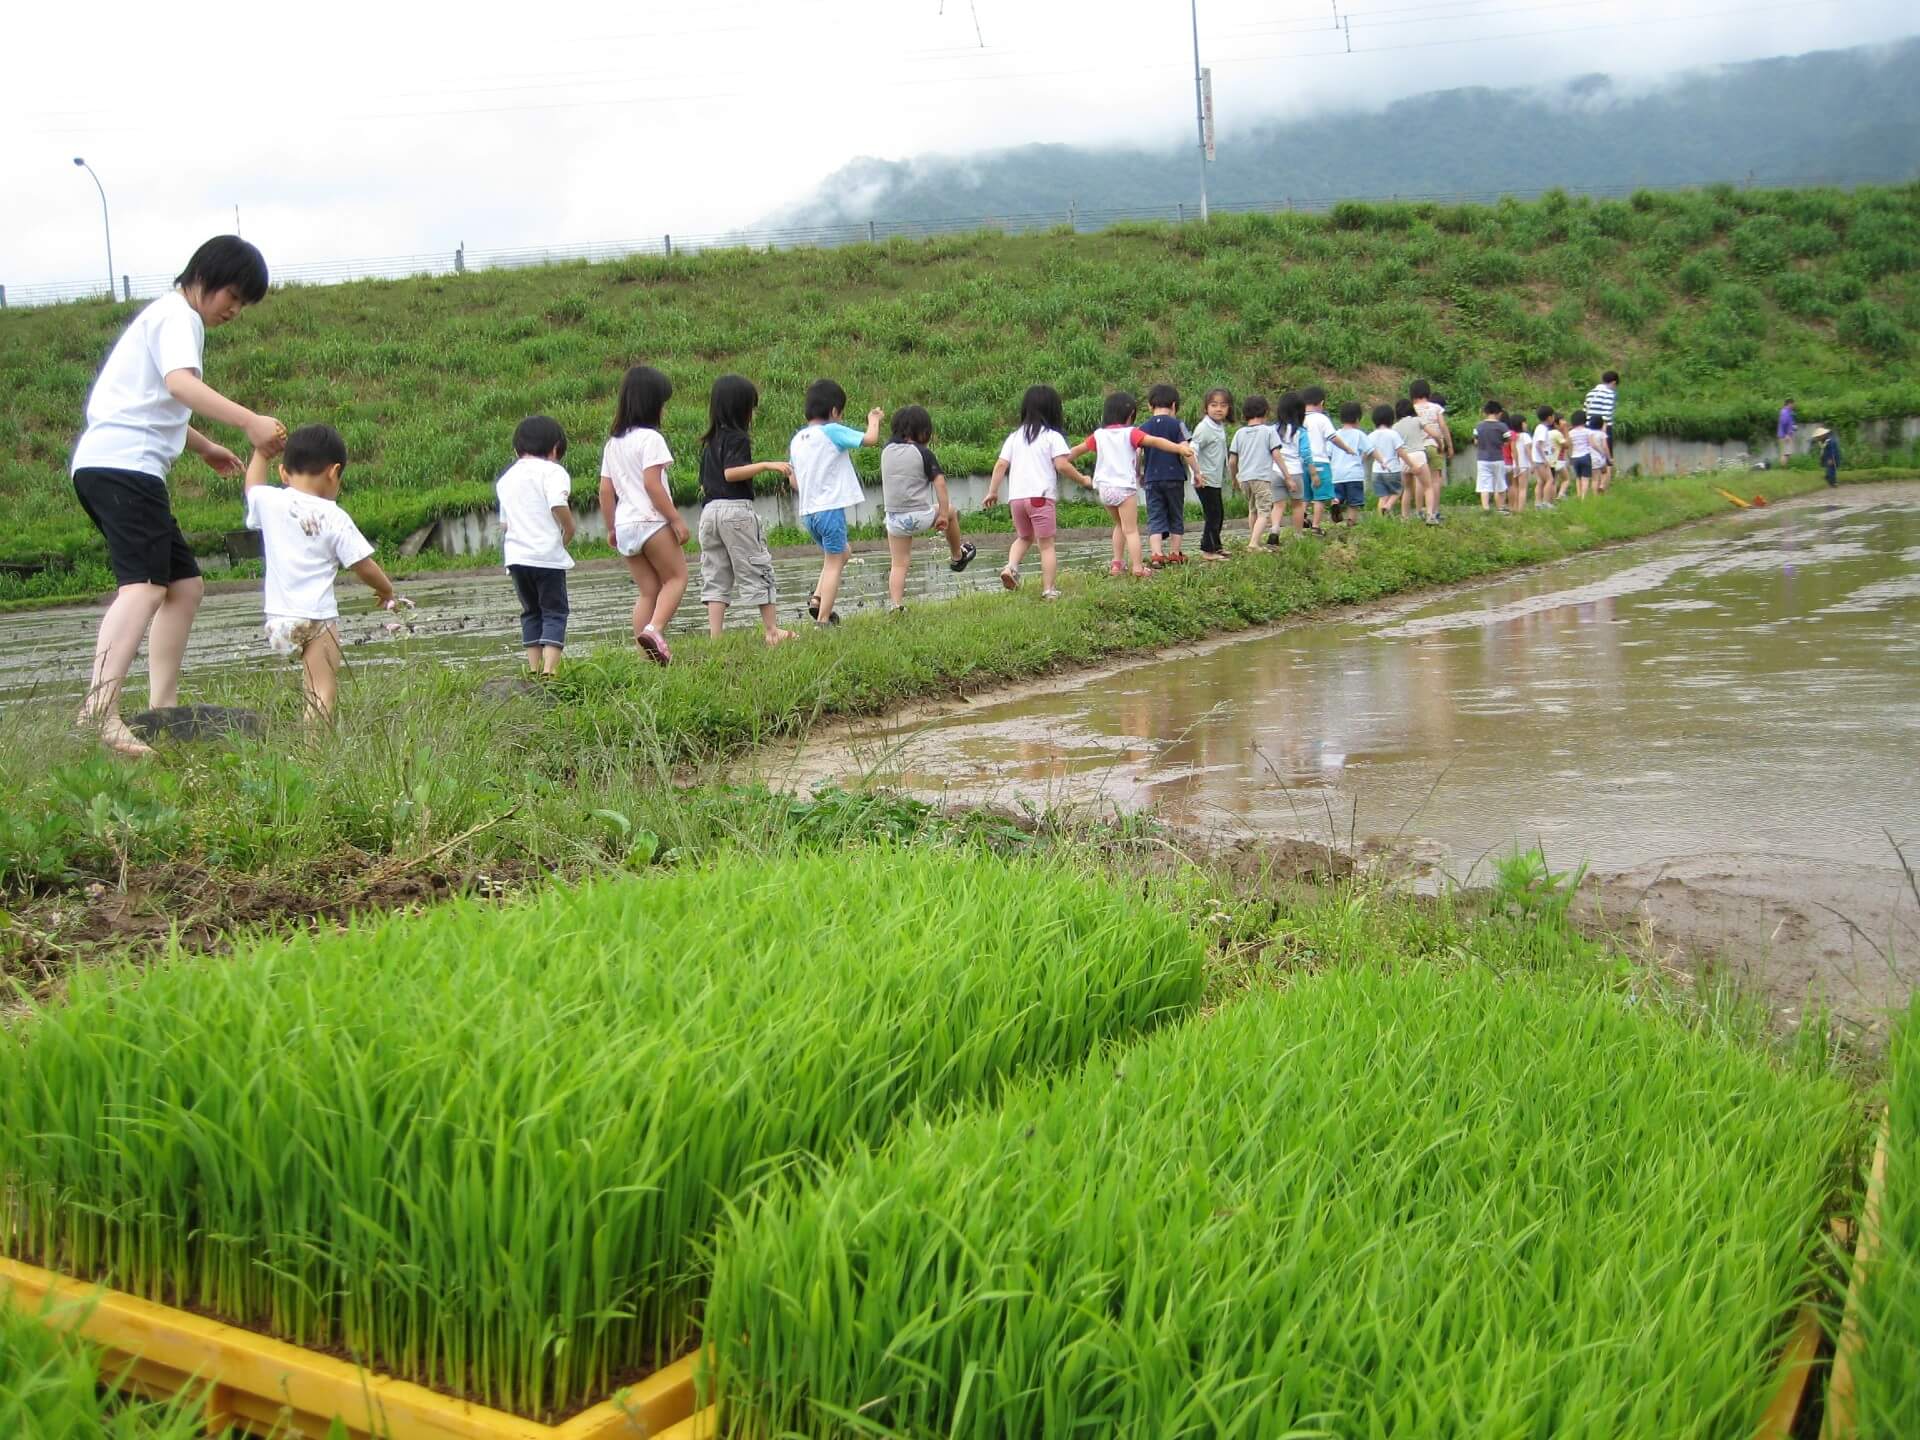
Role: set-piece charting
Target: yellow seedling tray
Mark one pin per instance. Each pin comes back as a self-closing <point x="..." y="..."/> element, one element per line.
<point x="1841" y="1419"/>
<point x="250" y="1382"/>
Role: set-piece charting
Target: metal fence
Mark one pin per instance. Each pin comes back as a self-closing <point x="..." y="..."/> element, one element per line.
<point x="461" y="259"/>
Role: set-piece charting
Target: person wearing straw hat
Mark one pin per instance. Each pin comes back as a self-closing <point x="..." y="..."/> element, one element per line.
<point x="1829" y="444"/>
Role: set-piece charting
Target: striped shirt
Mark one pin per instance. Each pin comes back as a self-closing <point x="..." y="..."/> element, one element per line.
<point x="1599" y="404"/>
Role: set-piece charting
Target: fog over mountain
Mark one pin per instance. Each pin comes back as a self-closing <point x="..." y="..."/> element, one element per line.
<point x="1844" y="115"/>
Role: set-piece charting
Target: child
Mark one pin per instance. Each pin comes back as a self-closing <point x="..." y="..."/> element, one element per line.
<point x="1389" y="456"/>
<point x="1350" y="464"/>
<point x="1519" y="458"/>
<point x="1288" y="412"/>
<point x="1431" y="410"/>
<point x="1254" y="446"/>
<point x="308" y="539"/>
<point x="1545" y="437"/>
<point x="1829" y="454"/>
<point x="1580" y="443"/>
<point x="1166" y="477"/>
<point x="139" y="415"/>
<point x="536" y="526"/>
<point x="1423" y="491"/>
<point x="733" y="543"/>
<point x="1033" y="459"/>
<point x="824" y="479"/>
<point x="1210" y="470"/>
<point x="913" y="492"/>
<point x="1489" y="453"/>
<point x="1116" y="446"/>
<point x="638" y="507"/>
<point x="1317" y="445"/>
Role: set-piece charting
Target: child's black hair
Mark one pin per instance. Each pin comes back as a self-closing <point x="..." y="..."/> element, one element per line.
<point x="540" y="435"/>
<point x="1493" y="408"/>
<point x="1163" y="397"/>
<point x="644" y="393"/>
<point x="1290" y="409"/>
<point x="1611" y="377"/>
<point x="1120" y="409"/>
<point x="226" y="262"/>
<point x="730" y="406"/>
<point x="1578" y="417"/>
<point x="1312" y="395"/>
<point x="1350" y="412"/>
<point x="312" y="449"/>
<point x="1440" y="400"/>
<point x="1383" y="415"/>
<point x="912" y="425"/>
<point x="1545" y="412"/>
<point x="1040" y="410"/>
<point x="1220" y="392"/>
<point x="1419" y="390"/>
<point x="1254" y="408"/>
<point x="1402" y="408"/>
<point x="825" y="399"/>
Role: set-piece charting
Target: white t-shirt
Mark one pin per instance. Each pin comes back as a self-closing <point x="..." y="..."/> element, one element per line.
<point x="132" y="422"/>
<point x="1319" y="430"/>
<point x="1114" y="450"/>
<point x="1581" y="440"/>
<point x="528" y="490"/>
<point x="1543" y="438"/>
<point x="1433" y="418"/>
<point x="625" y="462"/>
<point x="307" y="541"/>
<point x="1286" y="445"/>
<point x="1030" y="472"/>
<point x="822" y="469"/>
<point x="1385" y="442"/>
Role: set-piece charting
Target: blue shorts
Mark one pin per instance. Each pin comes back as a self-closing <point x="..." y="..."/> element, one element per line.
<point x="1166" y="507"/>
<point x="828" y="529"/>
<point x="1321" y="486"/>
<point x="1352" y="494"/>
<point x="1387" y="484"/>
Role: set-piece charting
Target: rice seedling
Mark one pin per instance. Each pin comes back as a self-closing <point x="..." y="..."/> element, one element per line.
<point x="480" y="1148"/>
<point x="1888" y="1368"/>
<point x="1385" y="1201"/>
<point x="51" y="1389"/>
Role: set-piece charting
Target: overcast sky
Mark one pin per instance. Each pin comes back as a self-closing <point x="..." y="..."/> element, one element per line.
<point x="364" y="129"/>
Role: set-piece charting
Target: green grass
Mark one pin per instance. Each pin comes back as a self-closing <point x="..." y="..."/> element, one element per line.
<point x="1715" y="305"/>
<point x="426" y="770"/>
<point x="481" y="1148"/>
<point x="1396" y="1198"/>
<point x="1888" y="1369"/>
<point x="50" y="1389"/>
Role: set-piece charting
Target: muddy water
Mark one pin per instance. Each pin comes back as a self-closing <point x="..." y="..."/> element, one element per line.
<point x="1724" y="723"/>
<point x="461" y="619"/>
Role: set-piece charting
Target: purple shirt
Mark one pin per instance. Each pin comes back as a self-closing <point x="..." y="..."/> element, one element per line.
<point x="1786" y="423"/>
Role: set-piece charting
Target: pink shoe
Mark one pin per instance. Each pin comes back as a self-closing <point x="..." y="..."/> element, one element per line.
<point x="655" y="647"/>
<point x="1114" y="569"/>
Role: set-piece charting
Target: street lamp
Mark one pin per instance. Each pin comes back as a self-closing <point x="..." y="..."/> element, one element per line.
<point x="104" y="220"/>
<point x="1199" y="105"/>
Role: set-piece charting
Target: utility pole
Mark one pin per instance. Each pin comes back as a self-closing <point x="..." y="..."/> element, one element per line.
<point x="105" y="220"/>
<point x="1199" y="105"/>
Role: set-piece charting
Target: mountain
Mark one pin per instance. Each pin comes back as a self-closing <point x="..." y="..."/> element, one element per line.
<point x="1843" y="116"/>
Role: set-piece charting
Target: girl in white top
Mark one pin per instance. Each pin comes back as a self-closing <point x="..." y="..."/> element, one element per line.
<point x="1032" y="460"/>
<point x="1544" y="438"/>
<point x="1116" y="447"/>
<point x="638" y="507"/>
<point x="138" y="422"/>
<point x="1522" y="469"/>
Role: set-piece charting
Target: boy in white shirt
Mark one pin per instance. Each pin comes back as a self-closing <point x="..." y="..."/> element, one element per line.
<point x="1547" y="467"/>
<point x="828" y="487"/>
<point x="536" y="526"/>
<point x="1387" y="452"/>
<point x="308" y="539"/>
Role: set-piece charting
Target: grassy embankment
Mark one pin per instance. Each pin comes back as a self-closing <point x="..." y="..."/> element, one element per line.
<point x="429" y="778"/>
<point x="1716" y="305"/>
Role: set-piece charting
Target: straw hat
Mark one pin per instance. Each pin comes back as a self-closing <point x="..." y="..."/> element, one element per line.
<point x="1820" y="432"/>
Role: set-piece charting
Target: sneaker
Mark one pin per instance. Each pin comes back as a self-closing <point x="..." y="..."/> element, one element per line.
<point x="1049" y="594"/>
<point x="654" y="646"/>
<point x="1009" y="580"/>
<point x="832" y="619"/>
<point x="1273" y="539"/>
<point x="965" y="558"/>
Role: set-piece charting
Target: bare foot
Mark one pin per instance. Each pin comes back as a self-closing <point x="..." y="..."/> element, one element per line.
<point x="778" y="637"/>
<point x="115" y="735"/>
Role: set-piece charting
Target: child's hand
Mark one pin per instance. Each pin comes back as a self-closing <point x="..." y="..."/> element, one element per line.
<point x="876" y="415"/>
<point x="264" y="430"/>
<point x="1187" y="451"/>
<point x="223" y="461"/>
<point x="785" y="469"/>
<point x="678" y="528"/>
<point x="396" y="603"/>
<point x="988" y="501"/>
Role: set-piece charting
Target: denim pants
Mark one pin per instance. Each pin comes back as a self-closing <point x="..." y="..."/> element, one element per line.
<point x="543" y="604"/>
<point x="1166" y="507"/>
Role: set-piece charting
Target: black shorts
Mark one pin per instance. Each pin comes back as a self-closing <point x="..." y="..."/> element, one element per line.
<point x="131" y="512"/>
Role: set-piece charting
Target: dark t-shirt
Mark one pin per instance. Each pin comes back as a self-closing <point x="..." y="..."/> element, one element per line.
<point x="1490" y="440"/>
<point x="727" y="449"/>
<point x="1164" y="467"/>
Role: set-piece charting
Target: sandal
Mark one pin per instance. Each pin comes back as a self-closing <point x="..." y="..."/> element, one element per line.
<point x="1049" y="594"/>
<point x="964" y="559"/>
<point x="655" y="646"/>
<point x="1009" y="580"/>
<point x="813" y="606"/>
<point x="1114" y="568"/>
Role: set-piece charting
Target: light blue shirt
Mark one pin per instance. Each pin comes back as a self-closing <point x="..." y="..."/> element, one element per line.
<point x="845" y="436"/>
<point x="1349" y="467"/>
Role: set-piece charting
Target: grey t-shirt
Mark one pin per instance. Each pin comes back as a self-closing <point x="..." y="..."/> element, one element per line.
<point x="1254" y="445"/>
<point x="1210" y="451"/>
<point x="906" y="478"/>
